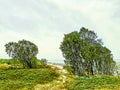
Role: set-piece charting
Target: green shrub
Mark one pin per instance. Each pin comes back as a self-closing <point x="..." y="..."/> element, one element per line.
<point x="17" y="64"/>
<point x="4" y="66"/>
<point x="11" y="62"/>
<point x="69" y="69"/>
<point x="43" y="61"/>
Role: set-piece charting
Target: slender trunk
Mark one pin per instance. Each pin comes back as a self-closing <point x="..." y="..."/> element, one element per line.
<point x="91" y="68"/>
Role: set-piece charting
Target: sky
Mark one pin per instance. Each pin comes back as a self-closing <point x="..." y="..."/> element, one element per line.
<point x="44" y="22"/>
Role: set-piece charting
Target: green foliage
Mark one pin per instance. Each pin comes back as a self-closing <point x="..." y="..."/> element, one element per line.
<point x="23" y="50"/>
<point x="43" y="61"/>
<point x="92" y="83"/>
<point x="117" y="69"/>
<point x="4" y="66"/>
<point x="16" y="64"/>
<point x="69" y="69"/>
<point x="84" y="52"/>
<point x="25" y="78"/>
<point x="11" y="63"/>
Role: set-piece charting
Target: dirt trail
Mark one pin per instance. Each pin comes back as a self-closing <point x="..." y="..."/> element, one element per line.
<point x="59" y="84"/>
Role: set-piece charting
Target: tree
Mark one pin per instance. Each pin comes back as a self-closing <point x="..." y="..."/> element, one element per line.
<point x="44" y="61"/>
<point x="71" y="51"/>
<point x="84" y="52"/>
<point x="23" y="50"/>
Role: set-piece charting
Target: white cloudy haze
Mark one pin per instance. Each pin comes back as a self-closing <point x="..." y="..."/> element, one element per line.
<point x="44" y="22"/>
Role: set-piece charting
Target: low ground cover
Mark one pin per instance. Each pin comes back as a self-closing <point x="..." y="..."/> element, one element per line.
<point x="102" y="82"/>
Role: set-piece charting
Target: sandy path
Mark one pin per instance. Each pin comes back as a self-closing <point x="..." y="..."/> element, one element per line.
<point x="58" y="84"/>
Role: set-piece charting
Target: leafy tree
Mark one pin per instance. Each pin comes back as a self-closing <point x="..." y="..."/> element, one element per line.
<point x="23" y="50"/>
<point x="70" y="48"/>
<point x="84" y="52"/>
<point x="44" y="61"/>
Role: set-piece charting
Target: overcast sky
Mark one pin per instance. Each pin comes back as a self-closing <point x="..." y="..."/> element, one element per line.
<point x="44" y="22"/>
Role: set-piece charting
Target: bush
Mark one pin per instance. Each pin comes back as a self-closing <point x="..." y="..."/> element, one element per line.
<point x="43" y="61"/>
<point x="12" y="63"/>
<point x="69" y="69"/>
<point x="17" y="64"/>
<point x="4" y="66"/>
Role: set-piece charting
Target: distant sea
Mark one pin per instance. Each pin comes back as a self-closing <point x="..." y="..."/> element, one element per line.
<point x="56" y="61"/>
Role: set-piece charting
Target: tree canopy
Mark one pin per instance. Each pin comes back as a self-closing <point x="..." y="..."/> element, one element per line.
<point x="23" y="50"/>
<point x="84" y="53"/>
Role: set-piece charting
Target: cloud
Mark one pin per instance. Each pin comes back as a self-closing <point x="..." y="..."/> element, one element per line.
<point x="45" y="21"/>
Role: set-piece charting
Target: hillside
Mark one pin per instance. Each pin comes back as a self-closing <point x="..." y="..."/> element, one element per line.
<point x="51" y="77"/>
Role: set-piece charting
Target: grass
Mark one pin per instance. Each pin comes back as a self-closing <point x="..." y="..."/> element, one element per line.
<point x="60" y="83"/>
<point x="95" y="83"/>
<point x="11" y="63"/>
<point x="25" y="78"/>
<point x="49" y="77"/>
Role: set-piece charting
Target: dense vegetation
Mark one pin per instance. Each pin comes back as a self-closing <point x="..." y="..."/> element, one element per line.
<point x="85" y="54"/>
<point x="25" y="51"/>
<point x="96" y="83"/>
<point x="12" y="78"/>
<point x="25" y="78"/>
